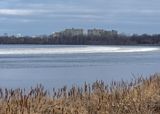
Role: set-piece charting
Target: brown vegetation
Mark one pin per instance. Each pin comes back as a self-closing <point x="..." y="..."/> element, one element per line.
<point x="141" y="96"/>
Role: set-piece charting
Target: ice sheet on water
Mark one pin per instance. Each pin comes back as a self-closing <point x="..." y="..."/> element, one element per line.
<point x="74" y="50"/>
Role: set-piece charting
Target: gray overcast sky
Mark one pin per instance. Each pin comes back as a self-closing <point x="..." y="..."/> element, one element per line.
<point x="31" y="17"/>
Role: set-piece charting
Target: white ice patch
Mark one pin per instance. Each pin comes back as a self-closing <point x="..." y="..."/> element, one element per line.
<point x="75" y="50"/>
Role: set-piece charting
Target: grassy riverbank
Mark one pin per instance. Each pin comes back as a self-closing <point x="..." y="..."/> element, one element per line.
<point x="141" y="96"/>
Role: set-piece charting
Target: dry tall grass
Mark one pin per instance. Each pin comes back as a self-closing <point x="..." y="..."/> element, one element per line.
<point x="141" y="96"/>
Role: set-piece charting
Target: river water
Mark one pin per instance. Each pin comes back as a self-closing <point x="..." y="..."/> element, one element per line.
<point x="56" y="66"/>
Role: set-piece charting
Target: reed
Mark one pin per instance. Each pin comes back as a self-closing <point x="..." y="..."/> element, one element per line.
<point x="140" y="96"/>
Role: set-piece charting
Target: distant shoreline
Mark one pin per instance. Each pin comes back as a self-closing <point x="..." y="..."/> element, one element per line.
<point x="77" y="37"/>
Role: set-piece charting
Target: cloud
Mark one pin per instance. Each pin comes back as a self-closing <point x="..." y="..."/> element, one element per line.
<point x="77" y="13"/>
<point x="18" y="12"/>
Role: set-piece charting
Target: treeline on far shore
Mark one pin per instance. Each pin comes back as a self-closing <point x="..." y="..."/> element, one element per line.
<point x="118" y="39"/>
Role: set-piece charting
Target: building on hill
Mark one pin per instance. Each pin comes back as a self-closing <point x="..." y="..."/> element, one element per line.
<point x="95" y="32"/>
<point x="114" y="32"/>
<point x="79" y="32"/>
<point x="72" y="32"/>
<point x="56" y="34"/>
<point x="69" y="32"/>
<point x="101" y="32"/>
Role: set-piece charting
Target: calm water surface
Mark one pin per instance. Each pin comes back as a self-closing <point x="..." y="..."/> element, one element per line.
<point x="55" y="66"/>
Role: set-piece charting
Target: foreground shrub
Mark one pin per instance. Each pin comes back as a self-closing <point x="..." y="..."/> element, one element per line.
<point x="140" y="96"/>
